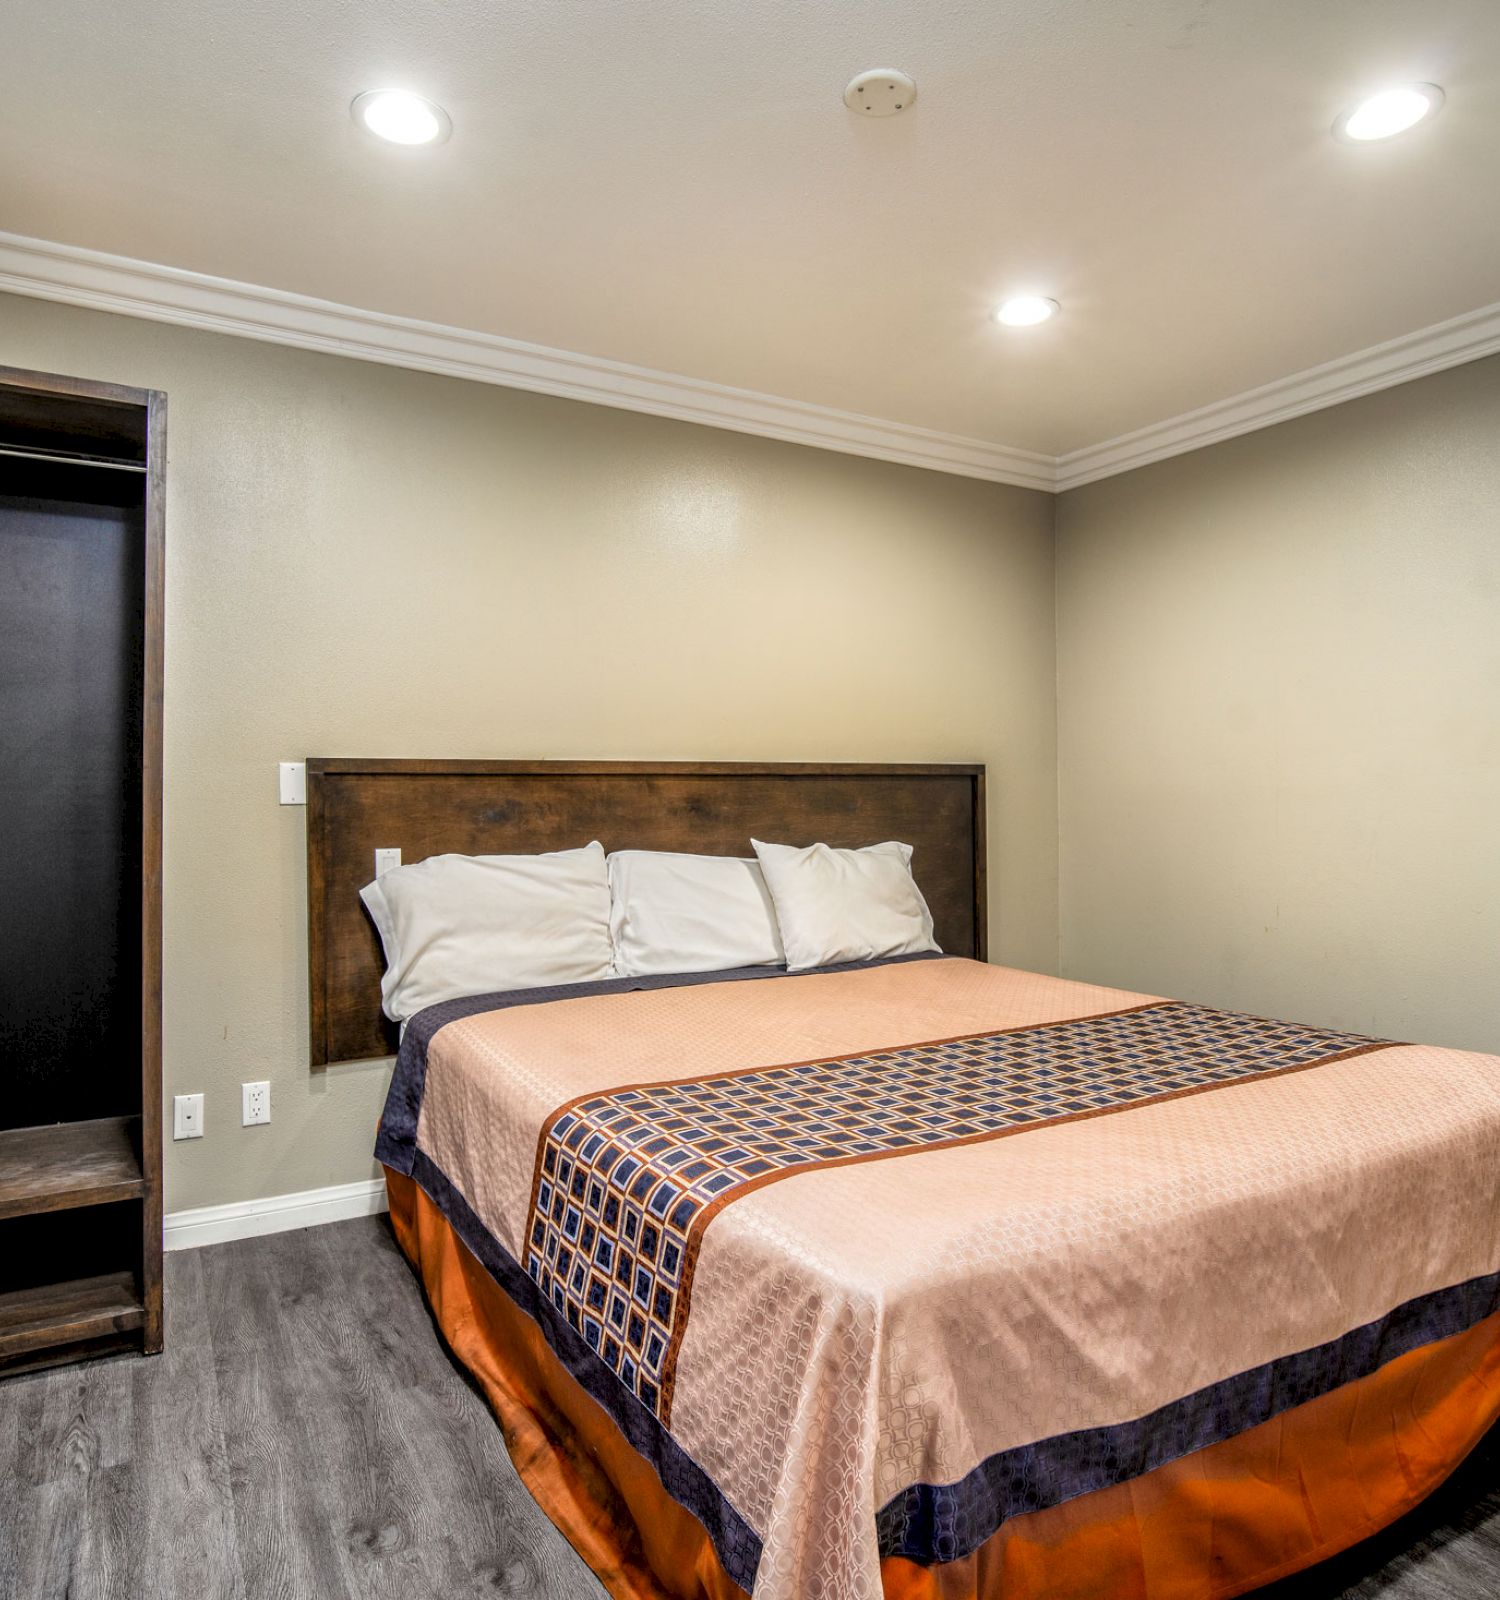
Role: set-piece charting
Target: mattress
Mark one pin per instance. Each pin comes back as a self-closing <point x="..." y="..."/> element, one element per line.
<point x="928" y="1277"/>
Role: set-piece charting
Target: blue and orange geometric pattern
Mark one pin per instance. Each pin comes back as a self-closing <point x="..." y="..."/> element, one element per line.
<point x="627" y="1180"/>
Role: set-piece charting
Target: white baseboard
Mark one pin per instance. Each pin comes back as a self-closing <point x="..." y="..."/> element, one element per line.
<point x="277" y="1213"/>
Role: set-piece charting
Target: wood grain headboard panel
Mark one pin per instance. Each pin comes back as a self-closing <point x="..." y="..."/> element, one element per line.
<point x="428" y="808"/>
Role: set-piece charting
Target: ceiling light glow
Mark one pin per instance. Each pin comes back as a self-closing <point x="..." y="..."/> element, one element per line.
<point x="1026" y="310"/>
<point x="1390" y="112"/>
<point x="401" y="118"/>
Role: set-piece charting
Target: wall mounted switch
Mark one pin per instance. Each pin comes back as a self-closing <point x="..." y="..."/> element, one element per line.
<point x="385" y="860"/>
<point x="255" y="1104"/>
<point x="292" y="776"/>
<point x="187" y="1116"/>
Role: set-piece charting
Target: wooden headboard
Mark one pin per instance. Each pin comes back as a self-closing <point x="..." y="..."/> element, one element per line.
<point x="428" y="808"/>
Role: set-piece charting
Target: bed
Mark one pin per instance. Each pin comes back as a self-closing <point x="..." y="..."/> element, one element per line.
<point x="918" y="1277"/>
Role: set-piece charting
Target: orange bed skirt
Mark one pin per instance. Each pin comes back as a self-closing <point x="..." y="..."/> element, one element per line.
<point x="1214" y="1524"/>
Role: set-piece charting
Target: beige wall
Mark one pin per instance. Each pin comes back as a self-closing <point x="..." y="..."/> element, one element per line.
<point x="1279" y="684"/>
<point x="367" y="561"/>
<point x="1277" y="663"/>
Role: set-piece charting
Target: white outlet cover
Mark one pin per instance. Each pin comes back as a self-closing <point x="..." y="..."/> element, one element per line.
<point x="292" y="778"/>
<point x="187" y="1116"/>
<point x="255" y="1104"/>
<point x="386" y="859"/>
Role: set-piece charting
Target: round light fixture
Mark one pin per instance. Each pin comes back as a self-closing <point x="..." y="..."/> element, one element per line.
<point x="1026" y="310"/>
<point x="1392" y="111"/>
<point x="401" y="118"/>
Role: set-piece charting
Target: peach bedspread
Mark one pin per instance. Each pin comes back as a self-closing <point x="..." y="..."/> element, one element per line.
<point x="892" y="1365"/>
<point x="1206" y="1526"/>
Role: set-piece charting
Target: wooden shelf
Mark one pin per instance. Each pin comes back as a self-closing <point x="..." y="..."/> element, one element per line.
<point x="69" y="1164"/>
<point x="68" y="1313"/>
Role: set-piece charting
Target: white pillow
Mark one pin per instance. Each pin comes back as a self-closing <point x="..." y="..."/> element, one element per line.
<point x="845" y="905"/>
<point x="682" y="913"/>
<point x="462" y="925"/>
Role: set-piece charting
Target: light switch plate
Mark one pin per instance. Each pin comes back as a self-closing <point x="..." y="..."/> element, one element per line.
<point x="293" y="780"/>
<point x="385" y="860"/>
<point x="187" y="1116"/>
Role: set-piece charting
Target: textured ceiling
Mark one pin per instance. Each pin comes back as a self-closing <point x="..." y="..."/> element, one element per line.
<point x="680" y="186"/>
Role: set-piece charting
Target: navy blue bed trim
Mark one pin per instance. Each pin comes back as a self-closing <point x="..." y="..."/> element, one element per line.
<point x="927" y="1523"/>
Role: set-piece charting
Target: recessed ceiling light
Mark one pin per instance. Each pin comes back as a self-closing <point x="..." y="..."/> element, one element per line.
<point x="1390" y="112"/>
<point x="401" y="118"/>
<point x="1026" y="310"/>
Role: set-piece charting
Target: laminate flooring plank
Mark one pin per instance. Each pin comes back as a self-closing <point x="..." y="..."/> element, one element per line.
<point x="378" y="1503"/>
<point x="81" y="1422"/>
<point x="28" y="1528"/>
<point x="287" y="1543"/>
<point x="111" y="1549"/>
<point x="75" y="1425"/>
<point x="175" y="1510"/>
<point x="504" y="1542"/>
<point x="13" y="1497"/>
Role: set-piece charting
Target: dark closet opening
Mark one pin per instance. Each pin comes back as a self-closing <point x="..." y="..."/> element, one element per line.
<point x="80" y="738"/>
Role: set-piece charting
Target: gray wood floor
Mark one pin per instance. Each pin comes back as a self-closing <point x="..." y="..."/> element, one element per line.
<point x="305" y="1437"/>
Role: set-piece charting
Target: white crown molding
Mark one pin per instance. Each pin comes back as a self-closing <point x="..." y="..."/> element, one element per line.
<point x="278" y="1213"/>
<point x="76" y="276"/>
<point x="1382" y="366"/>
<point x="90" y="278"/>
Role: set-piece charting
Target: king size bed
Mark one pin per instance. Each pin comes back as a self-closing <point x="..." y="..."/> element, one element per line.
<point x="913" y="1276"/>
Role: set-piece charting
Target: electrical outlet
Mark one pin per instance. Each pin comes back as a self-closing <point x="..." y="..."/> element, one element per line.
<point x="187" y="1116"/>
<point x="255" y="1104"/>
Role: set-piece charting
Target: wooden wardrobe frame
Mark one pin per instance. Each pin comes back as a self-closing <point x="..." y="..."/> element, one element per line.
<point x="88" y="1163"/>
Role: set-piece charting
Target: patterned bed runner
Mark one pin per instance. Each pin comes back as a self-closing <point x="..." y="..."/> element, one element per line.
<point x="627" y="1181"/>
